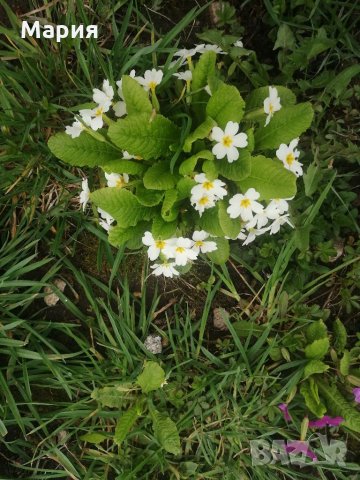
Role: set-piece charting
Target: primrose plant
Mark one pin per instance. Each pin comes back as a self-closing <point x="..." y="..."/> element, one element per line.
<point x="187" y="163"/>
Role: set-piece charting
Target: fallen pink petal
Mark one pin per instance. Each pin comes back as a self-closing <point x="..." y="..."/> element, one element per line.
<point x="326" y="421"/>
<point x="284" y="408"/>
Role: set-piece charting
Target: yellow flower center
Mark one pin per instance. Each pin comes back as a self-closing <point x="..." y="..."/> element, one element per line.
<point x="180" y="249"/>
<point x="227" y="141"/>
<point x="152" y="85"/>
<point x="120" y="182"/>
<point x="99" y="112"/>
<point x="160" y="244"/>
<point x="204" y="201"/>
<point x="271" y="108"/>
<point x="199" y="243"/>
<point x="245" y="203"/>
<point x="290" y="157"/>
<point x="208" y="185"/>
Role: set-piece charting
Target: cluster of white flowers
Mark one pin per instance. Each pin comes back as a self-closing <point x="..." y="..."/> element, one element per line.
<point x="185" y="55"/>
<point x="176" y="251"/>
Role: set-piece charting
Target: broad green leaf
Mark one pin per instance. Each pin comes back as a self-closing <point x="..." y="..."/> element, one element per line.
<point x="237" y="170"/>
<point x="270" y="178"/>
<point x="226" y="104"/>
<point x="230" y="226"/>
<point x="210" y="168"/>
<point x="221" y="255"/>
<point x="285" y="38"/>
<point x="302" y="237"/>
<point x="184" y="186"/>
<point x="163" y="230"/>
<point x="125" y="424"/>
<point x="255" y="101"/>
<point x="314" y="367"/>
<point x="119" y="235"/>
<point x="120" y="204"/>
<point x="209" y="221"/>
<point x="143" y="135"/>
<point x="94" y="438"/>
<point x="316" y="331"/>
<point x="251" y="142"/>
<point x="115" y="396"/>
<point x="339" y="84"/>
<point x="244" y="328"/>
<point x="124" y="166"/>
<point x="187" y="167"/>
<point x="204" y="68"/>
<point x="317" y="349"/>
<point x="136" y="98"/>
<point x="311" y="179"/>
<point x="159" y="177"/>
<point x="148" y="198"/>
<point x="340" y="336"/>
<point x="84" y="150"/>
<point x="311" y="401"/>
<point x="168" y="212"/>
<point x="338" y="406"/>
<point x="151" y="378"/>
<point x="166" y="432"/>
<point x="202" y="131"/>
<point x="286" y="124"/>
<point x="345" y="363"/>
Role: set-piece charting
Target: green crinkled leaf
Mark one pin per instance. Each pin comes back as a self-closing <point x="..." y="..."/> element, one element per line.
<point x="94" y="438"/>
<point x="250" y="138"/>
<point x="187" y="167"/>
<point x="255" y="101"/>
<point x="204" y="68"/>
<point x="136" y="98"/>
<point x="221" y="255"/>
<point x="148" y="198"/>
<point x="202" y="131"/>
<point x="166" y="432"/>
<point x="159" y="177"/>
<point x="114" y="396"/>
<point x="119" y="235"/>
<point x="124" y="166"/>
<point x="120" y="204"/>
<point x="315" y="331"/>
<point x="269" y="178"/>
<point x="244" y="328"/>
<point x="151" y="378"/>
<point x="237" y="170"/>
<point x="314" y="367"/>
<point x="230" y="226"/>
<point x="317" y="349"/>
<point x="143" y="135"/>
<point x="311" y="400"/>
<point x="209" y="167"/>
<point x="338" y="406"/>
<point x="286" y="124"/>
<point x="184" y="187"/>
<point x="226" y="104"/>
<point x="340" y="335"/>
<point x="124" y="424"/>
<point x="345" y="363"/>
<point x="168" y="212"/>
<point x="209" y="221"/>
<point x="163" y="230"/>
<point x="84" y="150"/>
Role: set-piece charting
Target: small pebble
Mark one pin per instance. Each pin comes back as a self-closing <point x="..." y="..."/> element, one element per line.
<point x="51" y="298"/>
<point x="153" y="344"/>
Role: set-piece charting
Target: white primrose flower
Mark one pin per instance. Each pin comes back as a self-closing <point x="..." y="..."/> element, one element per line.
<point x="152" y="78"/>
<point x="180" y="249"/>
<point x="105" y="96"/>
<point x="75" y="129"/>
<point x="245" y="205"/>
<point x="127" y="156"/>
<point x="228" y="141"/>
<point x="271" y="104"/>
<point x="155" y="246"/>
<point x="276" y="207"/>
<point x="184" y="53"/>
<point x="252" y="234"/>
<point x="94" y="117"/>
<point x="116" y="179"/>
<point x="258" y="221"/>
<point x="200" y="244"/>
<point x="278" y="222"/>
<point x="238" y="43"/>
<point x="213" y="188"/>
<point x="207" y="90"/>
<point x="202" y="203"/>
<point x="84" y="194"/>
<point x="167" y="269"/>
<point x="186" y="76"/>
<point x="202" y="48"/>
<point x="289" y="155"/>
<point x="106" y="219"/>
<point x="120" y="107"/>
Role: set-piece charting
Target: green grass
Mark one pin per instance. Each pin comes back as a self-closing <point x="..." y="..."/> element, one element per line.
<point x="223" y="388"/>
